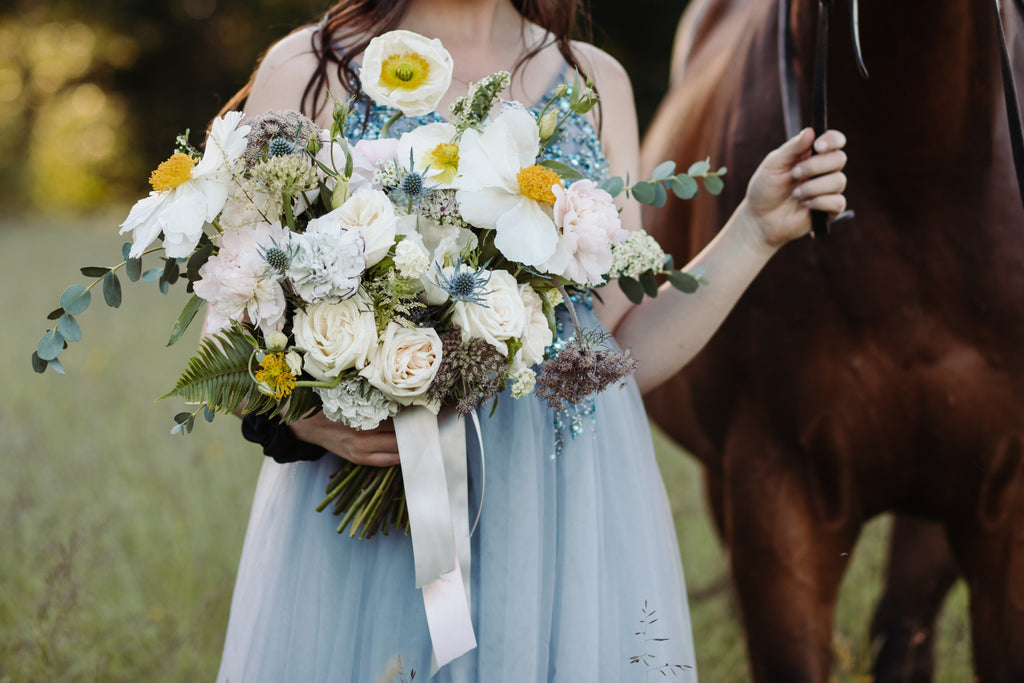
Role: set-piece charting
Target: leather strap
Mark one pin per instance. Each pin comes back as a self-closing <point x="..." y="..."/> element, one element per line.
<point x="1013" y="119"/>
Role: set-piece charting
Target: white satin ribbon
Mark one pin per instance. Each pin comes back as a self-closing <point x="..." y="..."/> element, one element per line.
<point x="434" y="470"/>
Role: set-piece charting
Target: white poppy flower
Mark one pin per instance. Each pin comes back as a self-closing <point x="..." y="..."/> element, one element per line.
<point x="500" y="187"/>
<point x="434" y="151"/>
<point x="407" y="71"/>
<point x="187" y="194"/>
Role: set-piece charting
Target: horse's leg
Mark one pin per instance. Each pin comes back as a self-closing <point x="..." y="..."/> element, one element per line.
<point x="989" y="547"/>
<point x="787" y="557"/>
<point x="921" y="571"/>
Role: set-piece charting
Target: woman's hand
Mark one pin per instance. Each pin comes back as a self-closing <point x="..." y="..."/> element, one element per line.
<point x="790" y="182"/>
<point x="376" y="447"/>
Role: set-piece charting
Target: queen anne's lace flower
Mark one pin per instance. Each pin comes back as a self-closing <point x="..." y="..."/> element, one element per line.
<point x="523" y="383"/>
<point x="411" y="259"/>
<point x="356" y="403"/>
<point x="638" y="253"/>
<point x="186" y="196"/>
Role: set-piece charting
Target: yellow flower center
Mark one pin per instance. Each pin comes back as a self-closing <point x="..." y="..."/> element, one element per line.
<point x="535" y="182"/>
<point x="404" y="72"/>
<point x="445" y="159"/>
<point x="276" y="374"/>
<point x="172" y="172"/>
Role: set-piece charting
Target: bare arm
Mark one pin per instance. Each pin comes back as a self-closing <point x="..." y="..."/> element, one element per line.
<point x="666" y="332"/>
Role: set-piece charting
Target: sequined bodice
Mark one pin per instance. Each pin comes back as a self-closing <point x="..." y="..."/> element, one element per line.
<point x="577" y="144"/>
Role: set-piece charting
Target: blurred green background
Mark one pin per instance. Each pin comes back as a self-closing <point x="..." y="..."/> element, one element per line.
<point x="120" y="542"/>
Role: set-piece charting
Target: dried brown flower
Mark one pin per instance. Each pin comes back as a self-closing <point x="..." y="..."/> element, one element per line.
<point x="580" y="370"/>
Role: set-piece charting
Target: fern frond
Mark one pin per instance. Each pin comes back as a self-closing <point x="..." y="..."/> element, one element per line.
<point x="218" y="375"/>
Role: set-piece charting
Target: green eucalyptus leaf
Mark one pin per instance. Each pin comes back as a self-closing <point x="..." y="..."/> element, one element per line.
<point x="721" y="171"/>
<point x="649" y="283"/>
<point x="684" y="282"/>
<point x="50" y="345"/>
<point x="133" y="269"/>
<point x="38" y="364"/>
<point x="660" y="195"/>
<point x="613" y="185"/>
<point x="69" y="328"/>
<point x="684" y="186"/>
<point x="564" y="170"/>
<point x="699" y="168"/>
<point x="633" y="290"/>
<point x="663" y="170"/>
<point x="178" y="429"/>
<point x="56" y="313"/>
<point x="94" y="271"/>
<point x="669" y="262"/>
<point x="182" y="418"/>
<point x="644" y="191"/>
<point x="163" y="286"/>
<point x="57" y="367"/>
<point x="713" y="184"/>
<point x="209" y="413"/>
<point x="152" y="275"/>
<point x="188" y="313"/>
<point x="112" y="290"/>
<point x="125" y="250"/>
<point x="75" y="299"/>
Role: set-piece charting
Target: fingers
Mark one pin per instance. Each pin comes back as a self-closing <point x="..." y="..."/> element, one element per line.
<point x="833" y="183"/>
<point x="798" y="147"/>
<point x="820" y="164"/>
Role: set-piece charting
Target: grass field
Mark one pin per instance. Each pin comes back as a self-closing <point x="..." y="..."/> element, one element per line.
<point x="120" y="542"/>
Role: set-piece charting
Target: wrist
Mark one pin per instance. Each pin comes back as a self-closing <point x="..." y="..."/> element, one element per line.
<point x="751" y="234"/>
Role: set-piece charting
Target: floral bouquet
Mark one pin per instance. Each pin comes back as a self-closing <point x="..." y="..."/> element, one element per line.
<point x="358" y="279"/>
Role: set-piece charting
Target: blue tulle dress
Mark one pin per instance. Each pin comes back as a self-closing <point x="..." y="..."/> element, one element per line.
<point x="575" y="540"/>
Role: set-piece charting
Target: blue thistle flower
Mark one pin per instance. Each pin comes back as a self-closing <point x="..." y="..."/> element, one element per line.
<point x="412" y="186"/>
<point x="278" y="147"/>
<point x="465" y="285"/>
<point x="278" y="259"/>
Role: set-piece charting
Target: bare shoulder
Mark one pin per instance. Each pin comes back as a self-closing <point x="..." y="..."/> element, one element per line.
<point x="284" y="72"/>
<point x="603" y="69"/>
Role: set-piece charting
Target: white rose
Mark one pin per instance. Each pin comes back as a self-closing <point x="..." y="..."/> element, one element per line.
<point x="537" y="336"/>
<point x="500" y="316"/>
<point x="405" y="363"/>
<point x="373" y="214"/>
<point x="335" y="336"/>
<point x="407" y="71"/>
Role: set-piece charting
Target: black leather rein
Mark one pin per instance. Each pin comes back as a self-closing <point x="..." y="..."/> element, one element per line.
<point x="819" y="117"/>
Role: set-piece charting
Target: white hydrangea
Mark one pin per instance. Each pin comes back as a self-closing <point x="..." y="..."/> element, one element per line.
<point x="637" y="253"/>
<point x="356" y="404"/>
<point x="523" y="383"/>
<point x="411" y="259"/>
<point x="328" y="260"/>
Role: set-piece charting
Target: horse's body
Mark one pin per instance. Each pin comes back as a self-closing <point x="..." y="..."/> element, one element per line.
<point x="881" y="368"/>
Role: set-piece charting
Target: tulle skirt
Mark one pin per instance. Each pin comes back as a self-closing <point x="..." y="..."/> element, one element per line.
<point x="575" y="541"/>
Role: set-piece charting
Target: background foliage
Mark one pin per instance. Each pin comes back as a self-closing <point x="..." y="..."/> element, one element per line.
<point x="92" y="94"/>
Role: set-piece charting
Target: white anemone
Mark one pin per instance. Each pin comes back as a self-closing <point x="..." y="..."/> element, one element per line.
<point x="434" y="151"/>
<point x="186" y="194"/>
<point x="407" y="71"/>
<point x="500" y="187"/>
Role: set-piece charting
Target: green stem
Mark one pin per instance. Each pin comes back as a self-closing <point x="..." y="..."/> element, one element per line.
<point x="387" y="126"/>
<point x="289" y="217"/>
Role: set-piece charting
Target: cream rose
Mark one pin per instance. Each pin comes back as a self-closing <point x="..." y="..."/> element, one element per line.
<point x="371" y="212"/>
<point x="336" y="336"/>
<point x="537" y="336"/>
<point x="407" y="71"/>
<point x="500" y="316"/>
<point x="405" y="363"/>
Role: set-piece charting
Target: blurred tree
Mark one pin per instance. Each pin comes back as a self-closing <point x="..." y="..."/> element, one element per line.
<point x="92" y="94"/>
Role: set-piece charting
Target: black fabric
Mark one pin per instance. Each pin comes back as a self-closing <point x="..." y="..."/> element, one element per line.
<point x="278" y="440"/>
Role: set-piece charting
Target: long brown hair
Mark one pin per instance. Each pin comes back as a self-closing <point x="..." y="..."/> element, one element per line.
<point x="349" y="25"/>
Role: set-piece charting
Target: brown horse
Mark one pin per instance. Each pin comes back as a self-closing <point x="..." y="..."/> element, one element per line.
<point x="878" y="369"/>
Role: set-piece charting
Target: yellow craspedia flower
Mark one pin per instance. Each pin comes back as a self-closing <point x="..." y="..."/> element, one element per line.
<point x="536" y="181"/>
<point x="404" y="71"/>
<point x="275" y="375"/>
<point x="173" y="172"/>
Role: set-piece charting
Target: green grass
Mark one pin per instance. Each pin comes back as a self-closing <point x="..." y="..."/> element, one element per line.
<point x="120" y="542"/>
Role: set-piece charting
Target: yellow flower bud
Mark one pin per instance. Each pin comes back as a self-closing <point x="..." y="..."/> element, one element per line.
<point x="548" y="124"/>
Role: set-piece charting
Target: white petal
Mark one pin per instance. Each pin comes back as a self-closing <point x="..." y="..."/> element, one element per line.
<point x="484" y="207"/>
<point x="526" y="234"/>
<point x="142" y="221"/>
